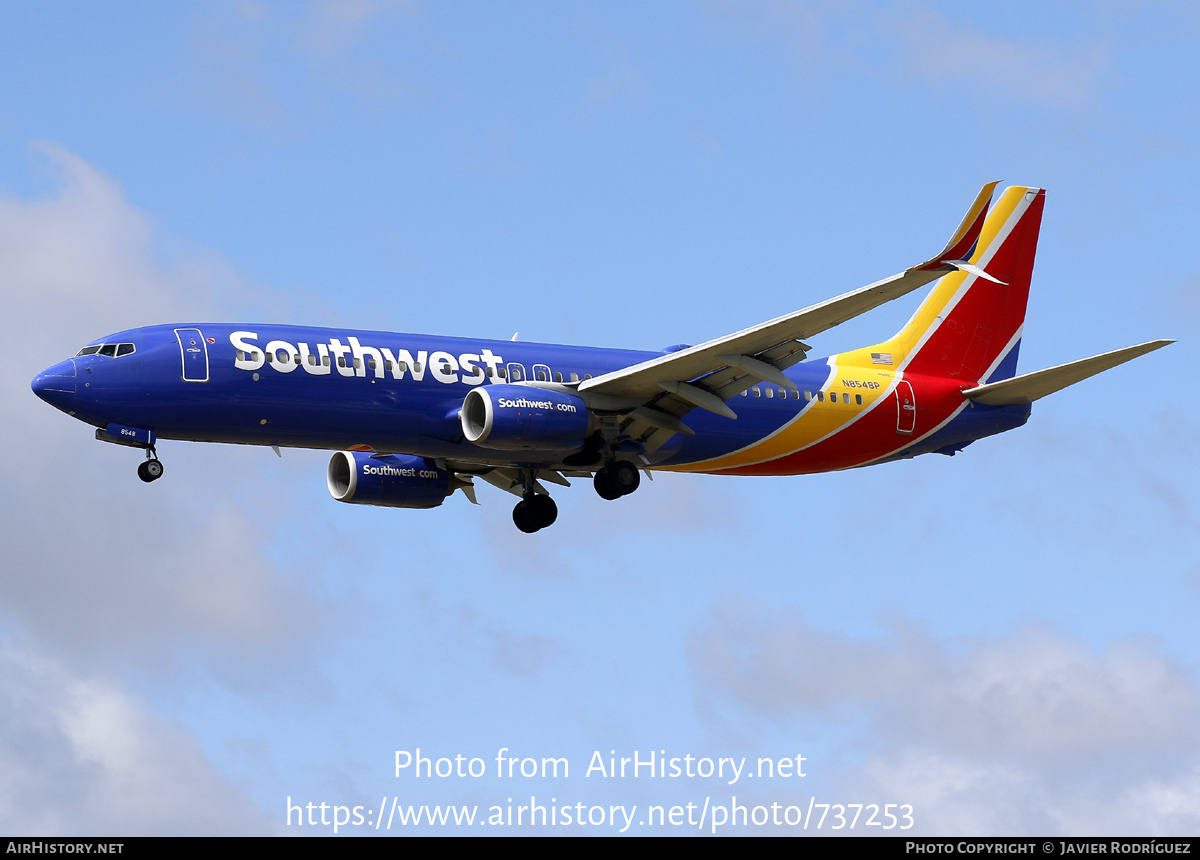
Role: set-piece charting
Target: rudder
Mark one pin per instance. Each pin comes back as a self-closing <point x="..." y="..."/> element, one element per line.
<point x="969" y="328"/>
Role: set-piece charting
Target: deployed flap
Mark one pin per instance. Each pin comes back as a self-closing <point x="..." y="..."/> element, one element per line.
<point x="1033" y="386"/>
<point x="647" y="378"/>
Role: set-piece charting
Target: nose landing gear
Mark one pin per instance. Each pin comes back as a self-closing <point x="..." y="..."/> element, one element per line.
<point x="152" y="468"/>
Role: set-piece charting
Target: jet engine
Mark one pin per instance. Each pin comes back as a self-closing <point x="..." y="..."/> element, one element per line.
<point x="521" y="417"/>
<point x="390" y="480"/>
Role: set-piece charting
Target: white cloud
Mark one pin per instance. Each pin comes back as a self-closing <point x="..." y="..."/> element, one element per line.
<point x="95" y="563"/>
<point x="949" y="52"/>
<point x="98" y="569"/>
<point x="1027" y="733"/>
<point x="334" y="27"/>
<point x="903" y="41"/>
<point x="79" y="756"/>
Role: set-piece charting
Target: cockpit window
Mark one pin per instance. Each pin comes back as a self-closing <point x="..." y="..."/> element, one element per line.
<point x="113" y="350"/>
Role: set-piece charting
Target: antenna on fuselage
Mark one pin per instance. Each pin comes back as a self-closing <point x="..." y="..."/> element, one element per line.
<point x="514" y="337"/>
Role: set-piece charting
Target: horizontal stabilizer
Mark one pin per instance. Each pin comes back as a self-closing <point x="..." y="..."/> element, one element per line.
<point x="1033" y="386"/>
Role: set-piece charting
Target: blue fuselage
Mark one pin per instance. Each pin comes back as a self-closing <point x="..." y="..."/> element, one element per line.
<point x="336" y="389"/>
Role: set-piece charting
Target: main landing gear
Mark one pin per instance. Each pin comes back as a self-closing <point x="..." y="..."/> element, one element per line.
<point x="152" y="468"/>
<point x="535" y="512"/>
<point x="619" y="478"/>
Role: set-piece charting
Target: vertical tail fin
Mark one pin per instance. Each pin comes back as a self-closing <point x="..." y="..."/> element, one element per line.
<point x="969" y="327"/>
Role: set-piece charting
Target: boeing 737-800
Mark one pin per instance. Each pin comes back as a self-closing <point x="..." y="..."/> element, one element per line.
<point x="412" y="418"/>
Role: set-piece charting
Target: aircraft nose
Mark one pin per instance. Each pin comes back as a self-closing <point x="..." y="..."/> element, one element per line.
<point x="56" y="385"/>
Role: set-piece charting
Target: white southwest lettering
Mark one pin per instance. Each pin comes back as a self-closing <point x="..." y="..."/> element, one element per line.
<point x="393" y="471"/>
<point x="524" y="403"/>
<point x="339" y="349"/>
<point x="361" y="354"/>
<point x="287" y="365"/>
<point x="472" y="375"/>
<point x="416" y="368"/>
<point x="444" y="367"/>
<point x="253" y="359"/>
<point x="320" y="367"/>
<point x="355" y="359"/>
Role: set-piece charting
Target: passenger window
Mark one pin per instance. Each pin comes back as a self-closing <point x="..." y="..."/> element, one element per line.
<point x="587" y="376"/>
<point x="745" y="392"/>
<point x="558" y="376"/>
<point x="241" y="356"/>
<point x="503" y="372"/>
<point x="821" y="396"/>
<point x="574" y="377"/>
<point x="858" y="399"/>
<point x="757" y="392"/>
<point x="341" y="361"/>
<point x="807" y="394"/>
<point x="771" y="393"/>
<point x="325" y="360"/>
<point x="370" y="363"/>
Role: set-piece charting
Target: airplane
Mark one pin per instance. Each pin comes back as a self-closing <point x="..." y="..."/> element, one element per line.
<point x="413" y="418"/>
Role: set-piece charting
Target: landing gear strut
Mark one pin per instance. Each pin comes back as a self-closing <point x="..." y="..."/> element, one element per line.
<point x="534" y="512"/>
<point x="619" y="478"/>
<point x="152" y="468"/>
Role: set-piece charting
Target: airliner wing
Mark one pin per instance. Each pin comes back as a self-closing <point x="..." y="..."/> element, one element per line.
<point x="710" y="373"/>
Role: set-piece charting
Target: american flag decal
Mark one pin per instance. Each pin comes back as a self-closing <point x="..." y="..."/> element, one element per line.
<point x="881" y="358"/>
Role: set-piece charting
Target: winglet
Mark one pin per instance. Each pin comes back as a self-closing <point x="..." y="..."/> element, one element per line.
<point x="962" y="244"/>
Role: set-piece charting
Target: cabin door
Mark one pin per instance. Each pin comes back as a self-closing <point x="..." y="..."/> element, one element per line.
<point x="906" y="408"/>
<point x="194" y="350"/>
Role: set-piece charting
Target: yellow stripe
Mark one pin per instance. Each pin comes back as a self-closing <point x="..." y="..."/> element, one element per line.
<point x="821" y="420"/>
<point x="815" y="423"/>
<point x="930" y="311"/>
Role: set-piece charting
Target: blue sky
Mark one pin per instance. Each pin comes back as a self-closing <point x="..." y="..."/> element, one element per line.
<point x="1004" y="640"/>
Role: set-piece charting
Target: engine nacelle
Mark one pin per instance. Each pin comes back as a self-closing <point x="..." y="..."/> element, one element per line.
<point x="521" y="417"/>
<point x="390" y="480"/>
